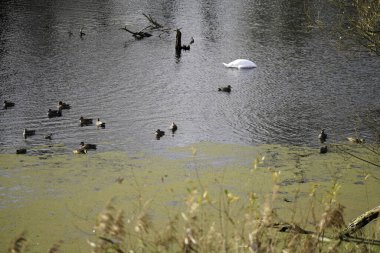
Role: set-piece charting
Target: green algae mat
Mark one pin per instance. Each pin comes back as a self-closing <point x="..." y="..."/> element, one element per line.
<point x="57" y="197"/>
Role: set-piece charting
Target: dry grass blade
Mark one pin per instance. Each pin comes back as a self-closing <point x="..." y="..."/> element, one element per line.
<point x="117" y="228"/>
<point x="55" y="247"/>
<point x="18" y="245"/>
<point x="110" y="230"/>
<point x="332" y="217"/>
<point x="143" y="222"/>
<point x="167" y="237"/>
<point x="105" y="220"/>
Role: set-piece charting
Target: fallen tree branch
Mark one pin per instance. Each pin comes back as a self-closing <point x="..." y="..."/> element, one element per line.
<point x="156" y="25"/>
<point x="292" y="228"/>
<point x="344" y="235"/>
<point x="361" y="221"/>
<point x="360" y="240"/>
<point x="138" y="35"/>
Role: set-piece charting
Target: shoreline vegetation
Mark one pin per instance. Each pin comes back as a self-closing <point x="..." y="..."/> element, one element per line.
<point x="200" y="198"/>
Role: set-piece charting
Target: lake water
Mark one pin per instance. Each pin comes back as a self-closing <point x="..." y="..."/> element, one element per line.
<point x="303" y="82"/>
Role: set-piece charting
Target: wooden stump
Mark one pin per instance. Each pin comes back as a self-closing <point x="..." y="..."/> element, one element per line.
<point x="178" y="42"/>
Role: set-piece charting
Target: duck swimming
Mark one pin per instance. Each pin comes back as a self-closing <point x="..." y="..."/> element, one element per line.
<point x="54" y="113"/>
<point x="81" y="33"/>
<point x="85" y="122"/>
<point x="356" y="140"/>
<point x="322" y="136"/>
<point x="8" y="104"/>
<point x="48" y="136"/>
<point x="28" y="133"/>
<point x="62" y="106"/>
<point x="100" y="123"/>
<point x="80" y="151"/>
<point x="240" y="64"/>
<point x="87" y="146"/>
<point x="225" y="89"/>
<point x="21" y="151"/>
<point x="173" y="127"/>
<point x="159" y="134"/>
<point x="323" y="150"/>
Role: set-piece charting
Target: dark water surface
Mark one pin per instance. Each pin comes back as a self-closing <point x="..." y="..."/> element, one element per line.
<point x="302" y="83"/>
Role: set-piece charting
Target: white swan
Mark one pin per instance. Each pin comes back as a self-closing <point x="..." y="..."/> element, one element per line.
<point x="240" y="64"/>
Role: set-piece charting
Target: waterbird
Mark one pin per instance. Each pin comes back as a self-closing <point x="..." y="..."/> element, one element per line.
<point x="21" y="151"/>
<point x="85" y="121"/>
<point x="225" y="89"/>
<point x="48" y="136"/>
<point x="356" y="140"/>
<point x="62" y="105"/>
<point x="87" y="146"/>
<point x="323" y="150"/>
<point x="27" y="133"/>
<point x="8" y="104"/>
<point x="54" y="113"/>
<point x="322" y="136"/>
<point x="100" y="123"/>
<point x="81" y="33"/>
<point x="159" y="133"/>
<point x="185" y="47"/>
<point x="173" y="127"/>
<point x="80" y="151"/>
<point x="240" y="64"/>
<point x="191" y="40"/>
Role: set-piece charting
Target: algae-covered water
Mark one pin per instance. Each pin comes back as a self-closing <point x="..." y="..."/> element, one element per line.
<point x="57" y="197"/>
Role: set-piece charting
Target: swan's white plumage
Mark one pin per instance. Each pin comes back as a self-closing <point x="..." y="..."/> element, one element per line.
<point x="240" y="64"/>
